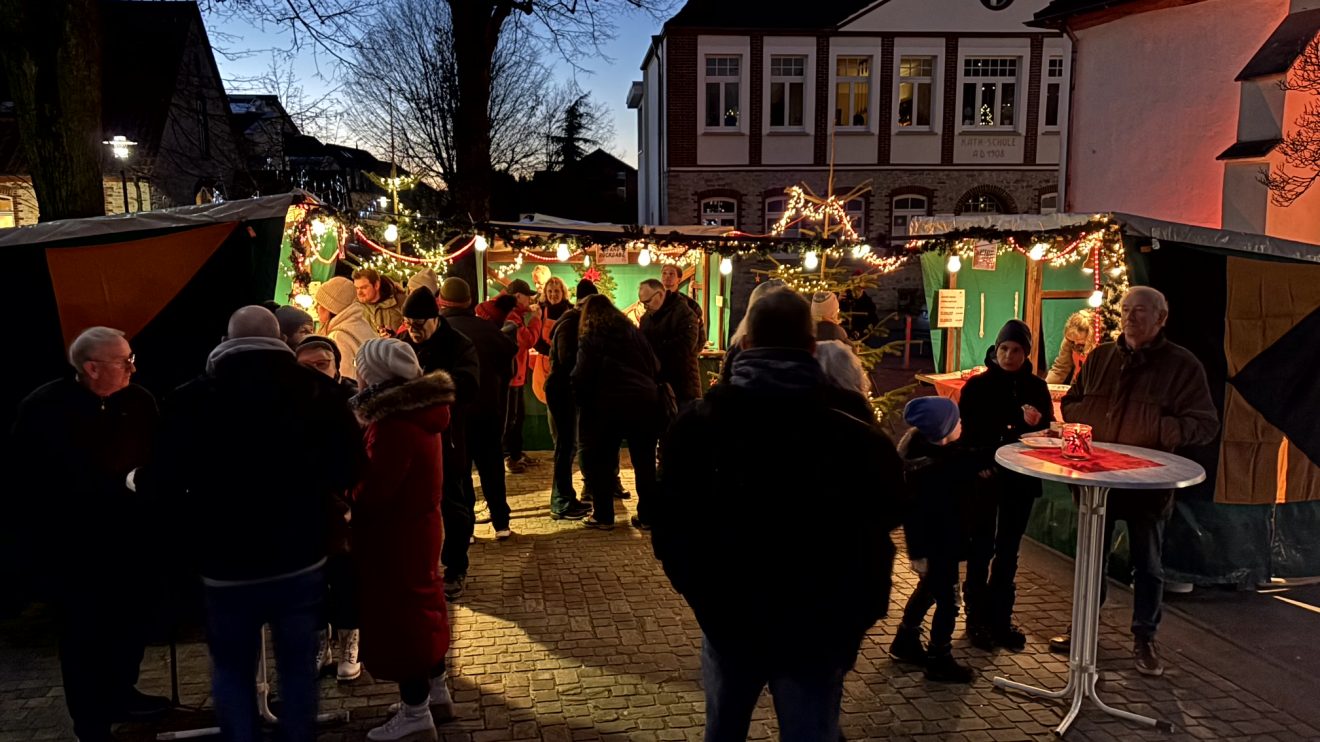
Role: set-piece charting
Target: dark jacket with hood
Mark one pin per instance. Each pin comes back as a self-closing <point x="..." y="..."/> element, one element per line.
<point x="563" y="353"/>
<point x="1156" y="397"/>
<point x="397" y="527"/>
<point x="991" y="411"/>
<point x="249" y="513"/>
<point x="69" y="454"/>
<point x="495" y="353"/>
<point x="450" y="351"/>
<point x="749" y="453"/>
<point x="940" y="482"/>
<point x="615" y="377"/>
<point x="673" y="332"/>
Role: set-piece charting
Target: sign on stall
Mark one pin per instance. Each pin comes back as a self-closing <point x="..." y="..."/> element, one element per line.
<point x="986" y="258"/>
<point x="951" y="308"/>
<point x="613" y="255"/>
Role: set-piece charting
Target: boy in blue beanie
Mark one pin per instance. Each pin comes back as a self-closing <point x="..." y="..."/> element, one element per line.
<point x="939" y="474"/>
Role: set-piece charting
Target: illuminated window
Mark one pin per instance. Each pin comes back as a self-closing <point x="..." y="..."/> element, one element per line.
<point x="852" y="91"/>
<point x="989" y="91"/>
<point x="906" y="207"/>
<point x="983" y="203"/>
<point x="8" y="212"/>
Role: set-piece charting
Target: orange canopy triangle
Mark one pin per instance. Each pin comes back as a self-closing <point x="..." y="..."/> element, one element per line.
<point x="124" y="285"/>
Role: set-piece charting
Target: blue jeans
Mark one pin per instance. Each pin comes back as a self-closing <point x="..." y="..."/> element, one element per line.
<point x="234" y="617"/>
<point x="806" y="701"/>
<point x="1146" y="549"/>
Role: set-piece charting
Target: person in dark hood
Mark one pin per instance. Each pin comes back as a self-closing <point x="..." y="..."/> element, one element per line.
<point x="74" y="443"/>
<point x="734" y="562"/>
<point x="559" y="401"/>
<point x="262" y="551"/>
<point x="484" y="428"/>
<point x="997" y="407"/>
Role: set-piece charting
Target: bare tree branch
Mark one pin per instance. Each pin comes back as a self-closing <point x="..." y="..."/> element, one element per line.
<point x="1300" y="147"/>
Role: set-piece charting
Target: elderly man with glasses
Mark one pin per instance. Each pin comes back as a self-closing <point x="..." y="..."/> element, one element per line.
<point x="77" y="440"/>
<point x="674" y="331"/>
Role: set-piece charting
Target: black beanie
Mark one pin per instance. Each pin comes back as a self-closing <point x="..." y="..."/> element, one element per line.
<point x="1017" y="331"/>
<point x="421" y="304"/>
<point x="320" y="341"/>
<point x="585" y="288"/>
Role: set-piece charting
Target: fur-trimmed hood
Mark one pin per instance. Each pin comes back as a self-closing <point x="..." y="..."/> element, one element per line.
<point x="378" y="402"/>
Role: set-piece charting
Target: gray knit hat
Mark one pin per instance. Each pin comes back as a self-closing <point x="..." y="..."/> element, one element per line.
<point x="386" y="359"/>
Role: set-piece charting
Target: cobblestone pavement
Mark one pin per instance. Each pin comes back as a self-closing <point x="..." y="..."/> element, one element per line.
<point x="570" y="634"/>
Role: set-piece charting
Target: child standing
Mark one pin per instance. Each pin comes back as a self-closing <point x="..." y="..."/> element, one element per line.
<point x="939" y="474"/>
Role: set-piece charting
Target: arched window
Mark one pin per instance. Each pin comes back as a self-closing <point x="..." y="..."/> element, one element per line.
<point x="986" y="199"/>
<point x="719" y="212"/>
<point x="906" y="207"/>
<point x="1049" y="203"/>
<point x="856" y="211"/>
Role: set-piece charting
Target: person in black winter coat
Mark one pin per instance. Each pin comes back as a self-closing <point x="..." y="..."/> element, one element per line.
<point x="559" y="402"/>
<point x="940" y="476"/>
<point x="484" y="424"/>
<point x="997" y="407"/>
<point x="782" y="599"/>
<point x="81" y="529"/>
<point x="673" y="331"/>
<point x="615" y="385"/>
<point x="257" y="526"/>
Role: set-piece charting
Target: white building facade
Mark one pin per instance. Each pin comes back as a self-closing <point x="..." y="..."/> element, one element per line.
<point x="943" y="106"/>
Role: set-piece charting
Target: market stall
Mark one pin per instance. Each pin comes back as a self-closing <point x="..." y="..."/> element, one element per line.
<point x="1247" y="305"/>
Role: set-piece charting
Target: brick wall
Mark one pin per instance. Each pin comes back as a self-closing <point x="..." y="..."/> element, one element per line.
<point x="754" y="99"/>
<point x="681" y="89"/>
<point x="25" y="198"/>
<point x="950" y="129"/>
<point x="823" y="70"/>
<point x="1033" y="102"/>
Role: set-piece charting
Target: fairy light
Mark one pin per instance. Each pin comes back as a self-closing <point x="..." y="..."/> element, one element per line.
<point x="726" y="266"/>
<point x="481" y="243"/>
<point x="810" y="260"/>
<point x="562" y="252"/>
<point x="644" y="257"/>
<point x="304" y="301"/>
<point x="391" y="232"/>
<point x="586" y="261"/>
<point x="1038" y="251"/>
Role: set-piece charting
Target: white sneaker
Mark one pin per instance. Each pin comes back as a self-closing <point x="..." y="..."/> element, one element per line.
<point x="349" y="667"/>
<point x="440" y="702"/>
<point x="411" y="723"/>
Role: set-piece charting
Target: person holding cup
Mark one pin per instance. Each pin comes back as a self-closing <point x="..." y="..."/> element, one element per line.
<point x="1142" y="390"/>
<point x="997" y="408"/>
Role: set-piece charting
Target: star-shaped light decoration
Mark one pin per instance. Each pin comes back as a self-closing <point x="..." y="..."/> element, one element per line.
<point x="823" y="216"/>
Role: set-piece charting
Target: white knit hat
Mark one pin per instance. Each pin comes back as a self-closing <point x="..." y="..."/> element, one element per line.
<point x="337" y="294"/>
<point x="386" y="359"/>
<point x="825" y="306"/>
<point x="424" y="277"/>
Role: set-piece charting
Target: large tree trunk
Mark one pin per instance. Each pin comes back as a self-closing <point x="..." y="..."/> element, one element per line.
<point x="52" y="59"/>
<point x="476" y="34"/>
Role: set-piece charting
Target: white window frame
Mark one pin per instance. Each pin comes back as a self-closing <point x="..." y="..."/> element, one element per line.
<point x="998" y="81"/>
<point x="931" y="82"/>
<point x="723" y="82"/>
<point x="904" y="205"/>
<point x="788" y="81"/>
<point x="869" y="79"/>
<point x="789" y="46"/>
<point x="772" y="215"/>
<point x="724" y="219"/>
<point x="1052" y="208"/>
<point x="1048" y="80"/>
<point x="8" y="211"/>
<point x="988" y="196"/>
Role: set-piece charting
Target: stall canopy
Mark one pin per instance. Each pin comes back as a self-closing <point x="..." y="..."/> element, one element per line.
<point x="1248" y="306"/>
<point x="169" y="279"/>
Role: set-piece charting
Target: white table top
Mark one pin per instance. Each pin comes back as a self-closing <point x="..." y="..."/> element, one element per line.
<point x="1174" y="471"/>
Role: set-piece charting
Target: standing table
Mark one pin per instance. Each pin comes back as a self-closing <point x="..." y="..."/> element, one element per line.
<point x="1160" y="471"/>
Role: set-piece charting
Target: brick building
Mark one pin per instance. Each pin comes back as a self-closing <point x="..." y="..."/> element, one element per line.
<point x="945" y="106"/>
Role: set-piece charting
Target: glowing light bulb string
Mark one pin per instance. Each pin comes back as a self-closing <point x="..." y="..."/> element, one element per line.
<point x="450" y="257"/>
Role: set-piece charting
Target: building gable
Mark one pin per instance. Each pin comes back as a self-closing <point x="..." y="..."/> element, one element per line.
<point x="943" y="16"/>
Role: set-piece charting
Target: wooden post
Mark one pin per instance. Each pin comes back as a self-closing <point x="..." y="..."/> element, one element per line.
<point x="951" y="338"/>
<point x="907" y="343"/>
<point x="1032" y="307"/>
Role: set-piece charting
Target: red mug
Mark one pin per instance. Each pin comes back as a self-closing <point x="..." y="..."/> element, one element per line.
<point x="1076" y="441"/>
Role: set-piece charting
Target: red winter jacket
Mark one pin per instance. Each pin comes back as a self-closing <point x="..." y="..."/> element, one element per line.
<point x="397" y="530"/>
<point x="528" y="330"/>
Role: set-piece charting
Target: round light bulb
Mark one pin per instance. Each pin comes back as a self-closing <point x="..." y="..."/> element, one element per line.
<point x="391" y="232"/>
<point x="480" y="242"/>
<point x="586" y="260"/>
<point x="319" y="227"/>
<point x="726" y="266"/>
<point x="955" y="264"/>
<point x="1097" y="298"/>
<point x="644" y="257"/>
<point x="562" y="252"/>
<point x="1088" y="270"/>
<point x="1116" y="271"/>
<point x="861" y="251"/>
<point x="810" y="260"/>
<point x="304" y="300"/>
<point x="1037" y="251"/>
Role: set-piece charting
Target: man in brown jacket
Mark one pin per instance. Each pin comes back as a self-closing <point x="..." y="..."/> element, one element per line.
<point x="1142" y="391"/>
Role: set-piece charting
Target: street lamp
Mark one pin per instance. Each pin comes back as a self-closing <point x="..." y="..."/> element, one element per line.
<point x="121" y="148"/>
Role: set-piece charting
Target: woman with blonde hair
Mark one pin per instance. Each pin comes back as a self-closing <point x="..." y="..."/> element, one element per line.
<point x="554" y="302"/>
<point x="1077" y="342"/>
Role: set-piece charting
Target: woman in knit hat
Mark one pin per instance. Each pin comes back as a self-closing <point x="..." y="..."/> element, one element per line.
<point x="997" y="407"/>
<point x="343" y="321"/>
<point x="825" y="313"/>
<point x="398" y="532"/>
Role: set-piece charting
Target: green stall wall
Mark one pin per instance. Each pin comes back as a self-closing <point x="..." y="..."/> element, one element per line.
<point x="321" y="269"/>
